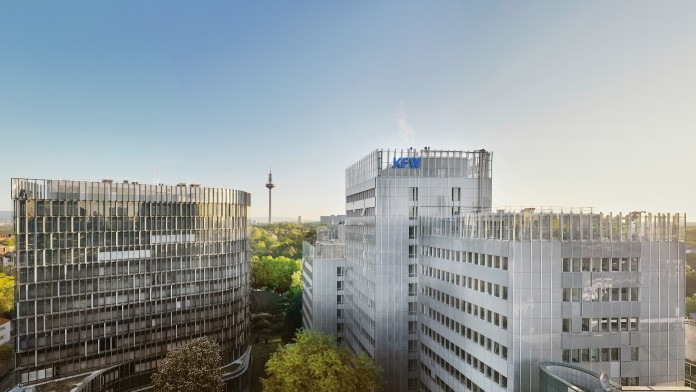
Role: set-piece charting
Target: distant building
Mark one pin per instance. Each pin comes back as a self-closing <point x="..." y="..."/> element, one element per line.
<point x="323" y="272"/>
<point x="114" y="275"/>
<point x="332" y="220"/>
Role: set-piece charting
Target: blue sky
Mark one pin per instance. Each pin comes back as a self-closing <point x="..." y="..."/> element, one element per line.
<point x="583" y="104"/>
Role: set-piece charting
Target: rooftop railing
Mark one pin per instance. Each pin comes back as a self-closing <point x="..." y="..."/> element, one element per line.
<point x="29" y="189"/>
<point x="564" y="226"/>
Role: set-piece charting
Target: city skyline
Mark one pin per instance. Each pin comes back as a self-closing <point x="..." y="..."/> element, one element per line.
<point x="596" y="96"/>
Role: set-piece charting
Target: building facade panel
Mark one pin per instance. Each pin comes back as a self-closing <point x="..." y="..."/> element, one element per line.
<point x="111" y="273"/>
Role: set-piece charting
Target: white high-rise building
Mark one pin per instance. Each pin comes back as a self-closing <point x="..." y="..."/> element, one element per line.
<point x="386" y="193"/>
<point x="446" y="294"/>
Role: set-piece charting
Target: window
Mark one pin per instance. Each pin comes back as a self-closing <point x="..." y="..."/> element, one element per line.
<point x="412" y="251"/>
<point x="566" y="325"/>
<point x="339" y="313"/>
<point x="339" y="299"/>
<point x="412" y="326"/>
<point x="629" y="381"/>
<point x="339" y="285"/>
<point x="412" y="232"/>
<point x="339" y="327"/>
<point x="412" y="289"/>
<point x="339" y="271"/>
<point x="634" y="354"/>
<point x="413" y="212"/>
<point x="456" y="194"/>
<point x="456" y="210"/>
<point x="411" y="270"/>
<point x="412" y="307"/>
<point x="614" y="354"/>
<point x="413" y="194"/>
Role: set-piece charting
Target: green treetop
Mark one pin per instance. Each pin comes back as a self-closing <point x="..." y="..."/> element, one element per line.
<point x="315" y="363"/>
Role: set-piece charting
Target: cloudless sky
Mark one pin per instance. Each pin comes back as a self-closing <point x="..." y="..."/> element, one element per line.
<point x="582" y="103"/>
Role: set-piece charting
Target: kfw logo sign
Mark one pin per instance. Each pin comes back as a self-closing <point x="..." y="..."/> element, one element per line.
<point x="413" y="163"/>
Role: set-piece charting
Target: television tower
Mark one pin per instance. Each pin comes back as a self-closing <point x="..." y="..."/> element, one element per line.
<point x="270" y="185"/>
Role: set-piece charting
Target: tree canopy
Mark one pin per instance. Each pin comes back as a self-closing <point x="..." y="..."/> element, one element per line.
<point x="6" y="292"/>
<point x="280" y="239"/>
<point x="274" y="273"/>
<point x="193" y="367"/>
<point x="316" y="363"/>
<point x="690" y="304"/>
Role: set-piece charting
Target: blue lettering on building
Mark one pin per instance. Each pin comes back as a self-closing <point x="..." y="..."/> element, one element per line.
<point x="413" y="163"/>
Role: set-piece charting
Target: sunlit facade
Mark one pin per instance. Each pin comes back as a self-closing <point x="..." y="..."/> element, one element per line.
<point x="447" y="295"/>
<point x="112" y="273"/>
<point x="502" y="292"/>
<point x="386" y="194"/>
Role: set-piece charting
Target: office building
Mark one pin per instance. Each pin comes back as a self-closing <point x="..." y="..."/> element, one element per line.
<point x="323" y="272"/>
<point x="446" y="294"/>
<point x="386" y="193"/>
<point x="114" y="275"/>
<point x="501" y="292"/>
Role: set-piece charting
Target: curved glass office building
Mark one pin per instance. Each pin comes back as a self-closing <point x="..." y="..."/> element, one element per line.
<point x="120" y="273"/>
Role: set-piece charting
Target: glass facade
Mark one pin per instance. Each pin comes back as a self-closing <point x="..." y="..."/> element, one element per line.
<point x="111" y="273"/>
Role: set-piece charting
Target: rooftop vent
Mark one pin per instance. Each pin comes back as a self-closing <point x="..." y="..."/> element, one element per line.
<point x="181" y="184"/>
<point x="195" y="185"/>
<point x="135" y="183"/>
<point x="107" y="181"/>
<point x="125" y="181"/>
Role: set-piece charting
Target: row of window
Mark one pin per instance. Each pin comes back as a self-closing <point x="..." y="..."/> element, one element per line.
<point x="601" y="294"/>
<point x="601" y="264"/>
<point x="599" y="354"/>
<point x="91" y="208"/>
<point x="360" y="212"/>
<point x="484" y="260"/>
<point x="464" y="306"/>
<point x="459" y="376"/>
<point x="468" y="282"/>
<point x="368" y="194"/>
<point x="603" y="324"/>
<point x="472" y="335"/>
<point x="413" y="194"/>
<point x="94" y="224"/>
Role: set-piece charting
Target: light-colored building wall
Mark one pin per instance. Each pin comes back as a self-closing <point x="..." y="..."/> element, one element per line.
<point x="446" y="295"/>
<point x="386" y="193"/>
<point x="323" y="288"/>
<point x="509" y="290"/>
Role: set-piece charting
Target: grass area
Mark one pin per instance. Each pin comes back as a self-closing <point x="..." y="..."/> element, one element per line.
<point x="260" y="353"/>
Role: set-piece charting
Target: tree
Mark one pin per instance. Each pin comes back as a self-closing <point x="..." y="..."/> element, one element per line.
<point x="690" y="281"/>
<point x="690" y="305"/>
<point x="193" y="367"/>
<point x="6" y="353"/>
<point x="274" y="273"/>
<point x="316" y="363"/>
<point x="6" y="292"/>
